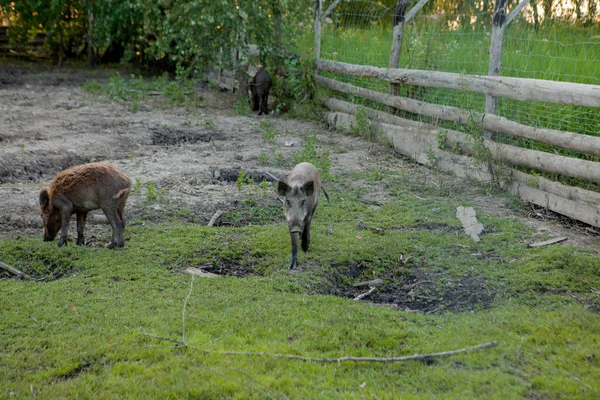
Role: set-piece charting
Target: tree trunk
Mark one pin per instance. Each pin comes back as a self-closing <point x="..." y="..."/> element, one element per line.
<point x="497" y="40"/>
<point x="61" y="46"/>
<point x="90" y="37"/>
<point x="318" y="12"/>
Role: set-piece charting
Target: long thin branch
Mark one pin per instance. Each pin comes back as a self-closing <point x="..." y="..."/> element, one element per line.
<point x="413" y="11"/>
<point x="330" y="9"/>
<point x="14" y="271"/>
<point x="365" y="294"/>
<point x="339" y="359"/>
<point x="364" y="359"/>
<point x="183" y="311"/>
<point x="165" y="339"/>
<point x="516" y="11"/>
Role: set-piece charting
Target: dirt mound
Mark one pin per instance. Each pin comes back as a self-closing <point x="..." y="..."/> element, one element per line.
<point x="168" y="136"/>
<point x="228" y="267"/>
<point x="232" y="174"/>
<point x="418" y="290"/>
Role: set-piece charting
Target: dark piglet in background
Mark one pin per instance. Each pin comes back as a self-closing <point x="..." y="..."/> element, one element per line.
<point x="80" y="189"/>
<point x="301" y="192"/>
<point x="259" y="87"/>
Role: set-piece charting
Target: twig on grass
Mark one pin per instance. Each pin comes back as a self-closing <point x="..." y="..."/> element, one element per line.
<point x="338" y="359"/>
<point x="215" y="218"/>
<point x="183" y="311"/>
<point x="14" y="271"/>
<point x="365" y="294"/>
<point x="418" y="197"/>
<point x="166" y="339"/>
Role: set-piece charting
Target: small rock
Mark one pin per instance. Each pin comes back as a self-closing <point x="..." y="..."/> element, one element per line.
<point x="435" y="210"/>
<point x="198" y="272"/>
<point x="249" y="156"/>
<point x="216" y="174"/>
<point x="238" y="157"/>
<point x="361" y="225"/>
<point x="289" y="144"/>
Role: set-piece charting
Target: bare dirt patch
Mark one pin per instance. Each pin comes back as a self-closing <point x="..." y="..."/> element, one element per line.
<point x="190" y="157"/>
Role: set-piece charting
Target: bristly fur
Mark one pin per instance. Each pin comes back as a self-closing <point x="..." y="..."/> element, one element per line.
<point x="87" y="173"/>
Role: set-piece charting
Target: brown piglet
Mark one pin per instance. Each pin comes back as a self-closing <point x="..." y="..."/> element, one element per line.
<point x="301" y="195"/>
<point x="81" y="189"/>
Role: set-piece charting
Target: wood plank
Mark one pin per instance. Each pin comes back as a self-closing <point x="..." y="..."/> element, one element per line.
<point x="577" y="94"/>
<point x="547" y="162"/>
<point x="585" y="144"/>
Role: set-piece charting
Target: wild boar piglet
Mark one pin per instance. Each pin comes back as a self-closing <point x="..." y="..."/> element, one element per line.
<point x="301" y="196"/>
<point x="259" y="87"/>
<point x="81" y="189"/>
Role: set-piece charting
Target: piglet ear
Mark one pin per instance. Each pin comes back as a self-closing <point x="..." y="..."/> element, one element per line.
<point x="44" y="200"/>
<point x="309" y="188"/>
<point x="282" y="188"/>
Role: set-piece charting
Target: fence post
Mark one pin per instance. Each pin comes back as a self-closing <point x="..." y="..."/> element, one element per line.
<point x="399" y="21"/>
<point x="398" y="33"/>
<point x="499" y="23"/>
<point x="496" y="42"/>
<point x="318" y="12"/>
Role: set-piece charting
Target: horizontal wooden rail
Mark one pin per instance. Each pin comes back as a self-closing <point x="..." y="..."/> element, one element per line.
<point x="585" y="144"/>
<point x="546" y="162"/>
<point x="513" y="88"/>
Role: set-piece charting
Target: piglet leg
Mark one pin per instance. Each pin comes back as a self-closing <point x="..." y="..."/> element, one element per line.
<point x="294" y="262"/>
<point x="81" y="216"/>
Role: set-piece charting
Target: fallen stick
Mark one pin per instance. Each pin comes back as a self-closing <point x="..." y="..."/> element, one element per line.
<point x="272" y="176"/>
<point x="14" y="271"/>
<point x="215" y="218"/>
<point x="547" y="242"/>
<point x="360" y="296"/>
<point x="276" y="180"/>
<point x="333" y="360"/>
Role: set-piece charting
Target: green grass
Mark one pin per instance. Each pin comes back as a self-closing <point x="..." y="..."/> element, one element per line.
<point x="81" y="331"/>
<point x="136" y="88"/>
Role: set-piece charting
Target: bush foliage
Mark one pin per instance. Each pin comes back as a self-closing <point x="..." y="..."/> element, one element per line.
<point x="179" y="35"/>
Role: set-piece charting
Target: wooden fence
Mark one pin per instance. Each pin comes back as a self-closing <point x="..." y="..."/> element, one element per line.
<point x="426" y="142"/>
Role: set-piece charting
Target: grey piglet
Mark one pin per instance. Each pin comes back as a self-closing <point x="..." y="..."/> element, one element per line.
<point x="301" y="196"/>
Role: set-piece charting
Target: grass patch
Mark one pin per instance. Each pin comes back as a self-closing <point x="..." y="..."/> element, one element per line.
<point x="136" y="88"/>
<point x="80" y="332"/>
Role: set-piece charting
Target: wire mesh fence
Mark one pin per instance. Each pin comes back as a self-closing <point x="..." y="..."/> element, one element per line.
<point x="551" y="40"/>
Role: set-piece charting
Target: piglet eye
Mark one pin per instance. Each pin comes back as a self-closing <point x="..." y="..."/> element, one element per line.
<point x="288" y="203"/>
<point x="302" y="203"/>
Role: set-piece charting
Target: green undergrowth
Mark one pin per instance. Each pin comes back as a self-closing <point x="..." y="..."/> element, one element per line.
<point x="136" y="88"/>
<point x="81" y="330"/>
